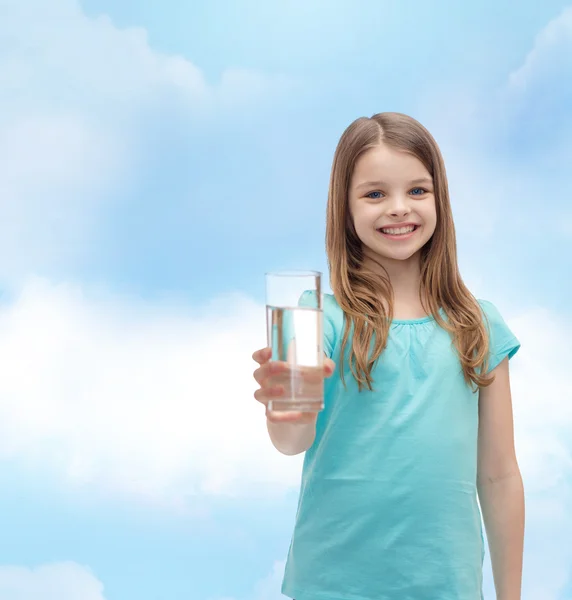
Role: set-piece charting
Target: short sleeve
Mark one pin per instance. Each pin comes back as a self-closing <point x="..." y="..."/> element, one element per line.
<point x="309" y="299"/>
<point x="502" y="342"/>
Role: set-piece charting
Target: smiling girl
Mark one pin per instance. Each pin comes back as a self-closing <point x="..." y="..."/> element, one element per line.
<point x="416" y="437"/>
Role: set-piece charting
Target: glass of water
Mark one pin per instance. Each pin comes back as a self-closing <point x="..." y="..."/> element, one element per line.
<point x="294" y="320"/>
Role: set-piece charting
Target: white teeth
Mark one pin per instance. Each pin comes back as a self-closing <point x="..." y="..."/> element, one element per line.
<point x="398" y="230"/>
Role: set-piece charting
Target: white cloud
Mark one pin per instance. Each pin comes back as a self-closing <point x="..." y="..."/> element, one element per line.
<point x="551" y="54"/>
<point x="61" y="581"/>
<point x="155" y="401"/>
<point x="464" y="111"/>
<point x="77" y="93"/>
<point x="535" y="103"/>
<point x="59" y="58"/>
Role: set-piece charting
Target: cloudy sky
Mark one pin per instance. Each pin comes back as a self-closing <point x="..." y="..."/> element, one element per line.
<point x="155" y="160"/>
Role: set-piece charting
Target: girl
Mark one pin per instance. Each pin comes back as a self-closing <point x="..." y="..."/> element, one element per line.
<point x="417" y="430"/>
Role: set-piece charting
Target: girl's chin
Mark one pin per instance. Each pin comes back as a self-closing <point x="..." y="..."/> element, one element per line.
<point x="373" y="257"/>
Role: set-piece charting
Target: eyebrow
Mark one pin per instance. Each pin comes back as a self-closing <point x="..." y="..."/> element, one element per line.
<point x="420" y="181"/>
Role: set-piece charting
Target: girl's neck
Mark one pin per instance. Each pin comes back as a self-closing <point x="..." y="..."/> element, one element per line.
<point x="405" y="279"/>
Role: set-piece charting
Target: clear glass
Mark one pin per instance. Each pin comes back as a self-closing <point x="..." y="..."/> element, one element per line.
<point x="295" y="336"/>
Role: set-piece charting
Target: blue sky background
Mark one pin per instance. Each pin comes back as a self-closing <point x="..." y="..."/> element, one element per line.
<point x="155" y="160"/>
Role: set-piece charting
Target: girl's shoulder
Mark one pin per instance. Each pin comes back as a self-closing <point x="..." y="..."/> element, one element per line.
<point x="490" y="311"/>
<point x="333" y="312"/>
<point x="502" y="341"/>
<point x="492" y="316"/>
<point x="330" y="305"/>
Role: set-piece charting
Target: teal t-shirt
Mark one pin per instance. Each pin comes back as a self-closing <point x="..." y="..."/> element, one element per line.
<point x="388" y="501"/>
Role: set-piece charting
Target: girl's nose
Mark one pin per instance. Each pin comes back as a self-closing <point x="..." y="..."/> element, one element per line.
<point x="399" y="207"/>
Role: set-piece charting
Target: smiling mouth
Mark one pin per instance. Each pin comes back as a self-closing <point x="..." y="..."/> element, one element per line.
<point x="397" y="231"/>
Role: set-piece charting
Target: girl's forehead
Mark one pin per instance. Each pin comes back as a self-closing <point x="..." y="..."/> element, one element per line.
<point x="388" y="164"/>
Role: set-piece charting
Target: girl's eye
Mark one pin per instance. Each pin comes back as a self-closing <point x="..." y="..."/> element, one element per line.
<point x="418" y="191"/>
<point x="374" y="195"/>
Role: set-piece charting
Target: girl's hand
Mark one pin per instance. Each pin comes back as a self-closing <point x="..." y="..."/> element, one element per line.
<point x="268" y="376"/>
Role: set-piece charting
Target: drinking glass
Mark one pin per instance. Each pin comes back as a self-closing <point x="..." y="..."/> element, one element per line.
<point x="294" y="321"/>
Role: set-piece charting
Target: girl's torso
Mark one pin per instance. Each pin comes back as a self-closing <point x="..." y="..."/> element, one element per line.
<point x="388" y="503"/>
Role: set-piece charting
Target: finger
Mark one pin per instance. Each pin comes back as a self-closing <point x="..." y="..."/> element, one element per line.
<point x="293" y="417"/>
<point x="262" y="356"/>
<point x="269" y="369"/>
<point x="265" y="395"/>
<point x="260" y="375"/>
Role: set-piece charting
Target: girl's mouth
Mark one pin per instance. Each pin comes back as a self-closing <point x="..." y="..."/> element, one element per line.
<point x="399" y="233"/>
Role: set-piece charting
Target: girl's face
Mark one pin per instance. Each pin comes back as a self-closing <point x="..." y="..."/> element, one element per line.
<point x="392" y="204"/>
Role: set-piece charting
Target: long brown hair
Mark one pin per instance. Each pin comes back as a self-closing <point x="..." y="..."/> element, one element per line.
<point x="365" y="296"/>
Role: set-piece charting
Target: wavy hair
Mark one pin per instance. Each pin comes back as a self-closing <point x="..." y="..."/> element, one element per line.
<point x="365" y="296"/>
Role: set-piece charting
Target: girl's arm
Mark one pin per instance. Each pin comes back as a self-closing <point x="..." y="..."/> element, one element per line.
<point x="499" y="484"/>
